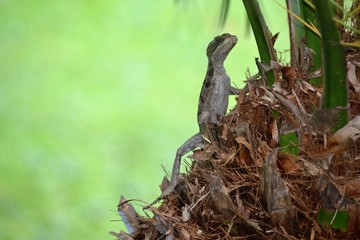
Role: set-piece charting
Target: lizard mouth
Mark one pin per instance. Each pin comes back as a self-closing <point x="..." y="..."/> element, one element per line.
<point x="229" y="41"/>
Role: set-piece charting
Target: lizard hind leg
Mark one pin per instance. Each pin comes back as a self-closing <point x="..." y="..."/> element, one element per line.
<point x="192" y="143"/>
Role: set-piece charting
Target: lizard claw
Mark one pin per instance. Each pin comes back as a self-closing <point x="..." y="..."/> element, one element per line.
<point x="169" y="189"/>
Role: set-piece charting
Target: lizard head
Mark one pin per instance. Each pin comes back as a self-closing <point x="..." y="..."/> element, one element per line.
<point x="220" y="47"/>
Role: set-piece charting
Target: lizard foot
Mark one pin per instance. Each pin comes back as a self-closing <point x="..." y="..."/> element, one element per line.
<point x="168" y="190"/>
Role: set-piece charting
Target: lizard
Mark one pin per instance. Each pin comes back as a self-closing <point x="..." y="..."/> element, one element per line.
<point x="213" y="101"/>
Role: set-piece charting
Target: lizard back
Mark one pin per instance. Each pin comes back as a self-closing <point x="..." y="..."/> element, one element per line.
<point x="213" y="100"/>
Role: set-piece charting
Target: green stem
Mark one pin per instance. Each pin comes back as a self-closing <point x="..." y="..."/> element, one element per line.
<point x="334" y="67"/>
<point x="262" y="37"/>
<point x="313" y="41"/>
<point x="296" y="29"/>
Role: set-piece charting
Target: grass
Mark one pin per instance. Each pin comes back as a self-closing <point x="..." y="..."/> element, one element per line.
<point x="94" y="97"/>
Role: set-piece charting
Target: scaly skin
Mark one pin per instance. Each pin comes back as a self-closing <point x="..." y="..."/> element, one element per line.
<point x="213" y="101"/>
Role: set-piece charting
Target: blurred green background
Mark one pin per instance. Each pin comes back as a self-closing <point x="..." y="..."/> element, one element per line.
<point x="94" y="97"/>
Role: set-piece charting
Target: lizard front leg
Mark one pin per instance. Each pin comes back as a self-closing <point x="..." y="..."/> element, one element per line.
<point x="192" y="143"/>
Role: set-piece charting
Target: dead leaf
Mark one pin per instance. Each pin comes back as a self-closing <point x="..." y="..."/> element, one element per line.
<point x="287" y="163"/>
<point x="351" y="75"/>
<point x="185" y="234"/>
<point x="340" y="142"/>
<point x="128" y="215"/>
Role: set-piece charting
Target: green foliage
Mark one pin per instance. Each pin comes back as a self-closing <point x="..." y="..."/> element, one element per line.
<point x="289" y="143"/>
<point x="328" y="219"/>
<point x="224" y="12"/>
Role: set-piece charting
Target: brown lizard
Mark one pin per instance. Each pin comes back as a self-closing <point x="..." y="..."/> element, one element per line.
<point x="213" y="101"/>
